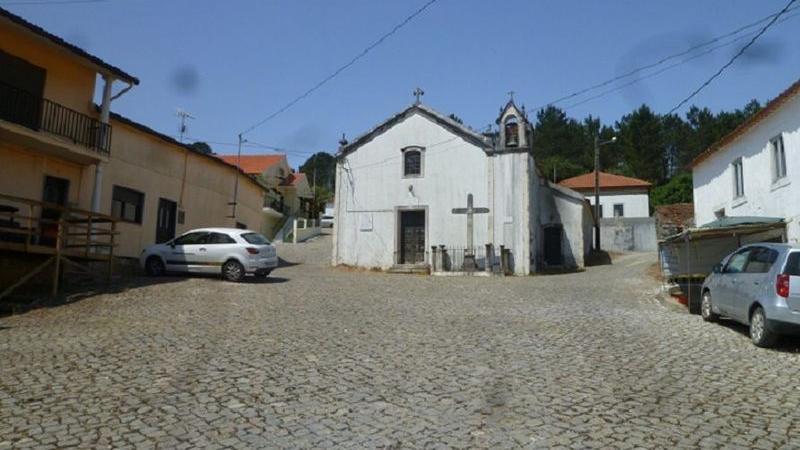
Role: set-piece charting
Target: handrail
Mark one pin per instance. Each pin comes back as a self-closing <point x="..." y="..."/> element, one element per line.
<point x="58" y="207"/>
<point x="41" y="227"/>
<point x="41" y="114"/>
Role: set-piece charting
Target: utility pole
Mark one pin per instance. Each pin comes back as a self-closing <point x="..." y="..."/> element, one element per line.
<point x="597" y="192"/>
<point x="183" y="115"/>
<point x="597" y="145"/>
<point x="314" y="188"/>
<point x="236" y="182"/>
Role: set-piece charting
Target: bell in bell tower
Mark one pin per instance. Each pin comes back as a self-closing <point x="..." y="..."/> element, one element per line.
<point x="513" y="125"/>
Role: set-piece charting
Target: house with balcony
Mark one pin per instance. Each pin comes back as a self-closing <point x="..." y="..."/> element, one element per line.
<point x="71" y="170"/>
<point x="752" y="173"/>
<point x="289" y="193"/>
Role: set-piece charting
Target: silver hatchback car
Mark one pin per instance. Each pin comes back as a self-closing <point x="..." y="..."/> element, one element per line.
<point x="757" y="285"/>
<point x="231" y="252"/>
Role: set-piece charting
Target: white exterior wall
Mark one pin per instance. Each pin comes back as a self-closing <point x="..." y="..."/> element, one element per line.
<point x="636" y="203"/>
<point x="508" y="180"/>
<point x="372" y="189"/>
<point x="713" y="177"/>
<point x="570" y="212"/>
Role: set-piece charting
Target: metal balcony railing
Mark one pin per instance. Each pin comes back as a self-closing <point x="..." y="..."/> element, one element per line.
<point x="40" y="114"/>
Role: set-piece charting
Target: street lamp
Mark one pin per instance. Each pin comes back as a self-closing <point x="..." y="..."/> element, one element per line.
<point x="597" y="145"/>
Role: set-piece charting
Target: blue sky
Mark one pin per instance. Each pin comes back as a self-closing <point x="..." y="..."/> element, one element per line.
<point x="231" y="63"/>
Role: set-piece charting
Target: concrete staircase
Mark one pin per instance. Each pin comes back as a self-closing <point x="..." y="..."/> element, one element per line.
<point x="285" y="230"/>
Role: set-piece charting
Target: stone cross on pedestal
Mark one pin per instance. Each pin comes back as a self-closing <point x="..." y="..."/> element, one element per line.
<point x="470" y="211"/>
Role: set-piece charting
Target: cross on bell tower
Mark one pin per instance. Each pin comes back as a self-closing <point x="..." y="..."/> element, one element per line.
<point x="418" y="93"/>
<point x="510" y="96"/>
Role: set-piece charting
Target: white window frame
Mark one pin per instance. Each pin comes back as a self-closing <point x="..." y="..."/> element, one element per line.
<point x="737" y="169"/>
<point x="778" y="153"/>
<point x="421" y="151"/>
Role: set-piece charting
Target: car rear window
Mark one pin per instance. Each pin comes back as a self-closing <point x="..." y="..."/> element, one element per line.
<point x="255" y="238"/>
<point x="793" y="264"/>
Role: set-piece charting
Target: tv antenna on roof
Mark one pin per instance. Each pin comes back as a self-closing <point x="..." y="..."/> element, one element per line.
<point x="183" y="115"/>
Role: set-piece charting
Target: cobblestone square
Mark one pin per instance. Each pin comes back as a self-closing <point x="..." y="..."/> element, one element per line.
<point x="318" y="357"/>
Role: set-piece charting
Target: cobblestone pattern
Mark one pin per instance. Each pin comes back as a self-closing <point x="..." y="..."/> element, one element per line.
<point x="319" y="357"/>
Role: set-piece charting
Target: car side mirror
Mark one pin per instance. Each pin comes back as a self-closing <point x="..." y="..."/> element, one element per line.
<point x="172" y="244"/>
<point x="717" y="268"/>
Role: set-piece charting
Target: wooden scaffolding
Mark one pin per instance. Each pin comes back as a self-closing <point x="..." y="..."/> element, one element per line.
<point x="71" y="237"/>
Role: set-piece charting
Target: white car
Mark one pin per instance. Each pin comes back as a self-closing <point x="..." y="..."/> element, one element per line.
<point x="326" y="221"/>
<point x="231" y="252"/>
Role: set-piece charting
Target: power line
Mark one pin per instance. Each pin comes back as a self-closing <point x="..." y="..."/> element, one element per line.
<point x="252" y="144"/>
<point x="662" y="60"/>
<point x="671" y="66"/>
<point x="50" y="2"/>
<point x="736" y="56"/>
<point x="341" y="69"/>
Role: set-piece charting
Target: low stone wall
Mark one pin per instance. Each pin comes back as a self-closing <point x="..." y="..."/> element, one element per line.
<point x="628" y="234"/>
<point x="305" y="229"/>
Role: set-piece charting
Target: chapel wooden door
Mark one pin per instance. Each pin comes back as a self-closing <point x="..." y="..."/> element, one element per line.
<point x="412" y="237"/>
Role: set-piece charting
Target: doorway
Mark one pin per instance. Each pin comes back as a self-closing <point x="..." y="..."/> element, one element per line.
<point x="412" y="237"/>
<point x="165" y="222"/>
<point x="552" y="245"/>
<point x="55" y="191"/>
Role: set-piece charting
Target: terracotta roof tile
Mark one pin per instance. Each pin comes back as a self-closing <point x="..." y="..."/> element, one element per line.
<point x="254" y="164"/>
<point x="607" y="180"/>
<point x="745" y="126"/>
<point x="293" y="179"/>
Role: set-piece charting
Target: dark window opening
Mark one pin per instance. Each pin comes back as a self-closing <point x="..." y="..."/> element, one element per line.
<point x="619" y="210"/>
<point x="21" y="91"/>
<point x="512" y="131"/>
<point x="412" y="163"/>
<point x="127" y="204"/>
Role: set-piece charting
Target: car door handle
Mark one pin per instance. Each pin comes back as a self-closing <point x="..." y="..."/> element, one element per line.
<point x="202" y="249"/>
<point x="756" y="283"/>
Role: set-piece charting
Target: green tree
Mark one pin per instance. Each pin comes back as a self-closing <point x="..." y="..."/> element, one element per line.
<point x="320" y="169"/>
<point x="560" y="144"/>
<point x="677" y="190"/>
<point x="202" y="147"/>
<point x="641" y="145"/>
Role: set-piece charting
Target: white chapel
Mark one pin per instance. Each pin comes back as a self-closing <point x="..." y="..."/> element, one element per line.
<point x="420" y="183"/>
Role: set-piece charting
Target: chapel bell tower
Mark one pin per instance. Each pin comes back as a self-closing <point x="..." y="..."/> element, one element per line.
<point x="514" y="127"/>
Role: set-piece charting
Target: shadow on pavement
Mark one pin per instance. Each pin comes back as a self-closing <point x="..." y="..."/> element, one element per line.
<point x="785" y="344"/>
<point x="598" y="258"/>
<point x="284" y="263"/>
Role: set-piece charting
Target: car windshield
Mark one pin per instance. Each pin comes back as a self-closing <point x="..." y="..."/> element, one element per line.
<point x="255" y="238"/>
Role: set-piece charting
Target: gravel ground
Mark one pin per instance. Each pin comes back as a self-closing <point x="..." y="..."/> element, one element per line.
<point x="319" y="357"/>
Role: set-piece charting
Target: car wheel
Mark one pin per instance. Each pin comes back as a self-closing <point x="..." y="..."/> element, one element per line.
<point x="233" y="270"/>
<point x="706" y="310"/>
<point x="154" y="266"/>
<point x="759" y="333"/>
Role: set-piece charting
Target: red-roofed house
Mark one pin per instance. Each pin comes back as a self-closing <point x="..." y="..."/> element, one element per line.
<point x="620" y="196"/>
<point x="289" y="191"/>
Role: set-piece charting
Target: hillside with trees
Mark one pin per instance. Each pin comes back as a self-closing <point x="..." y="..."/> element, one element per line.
<point x="651" y="146"/>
